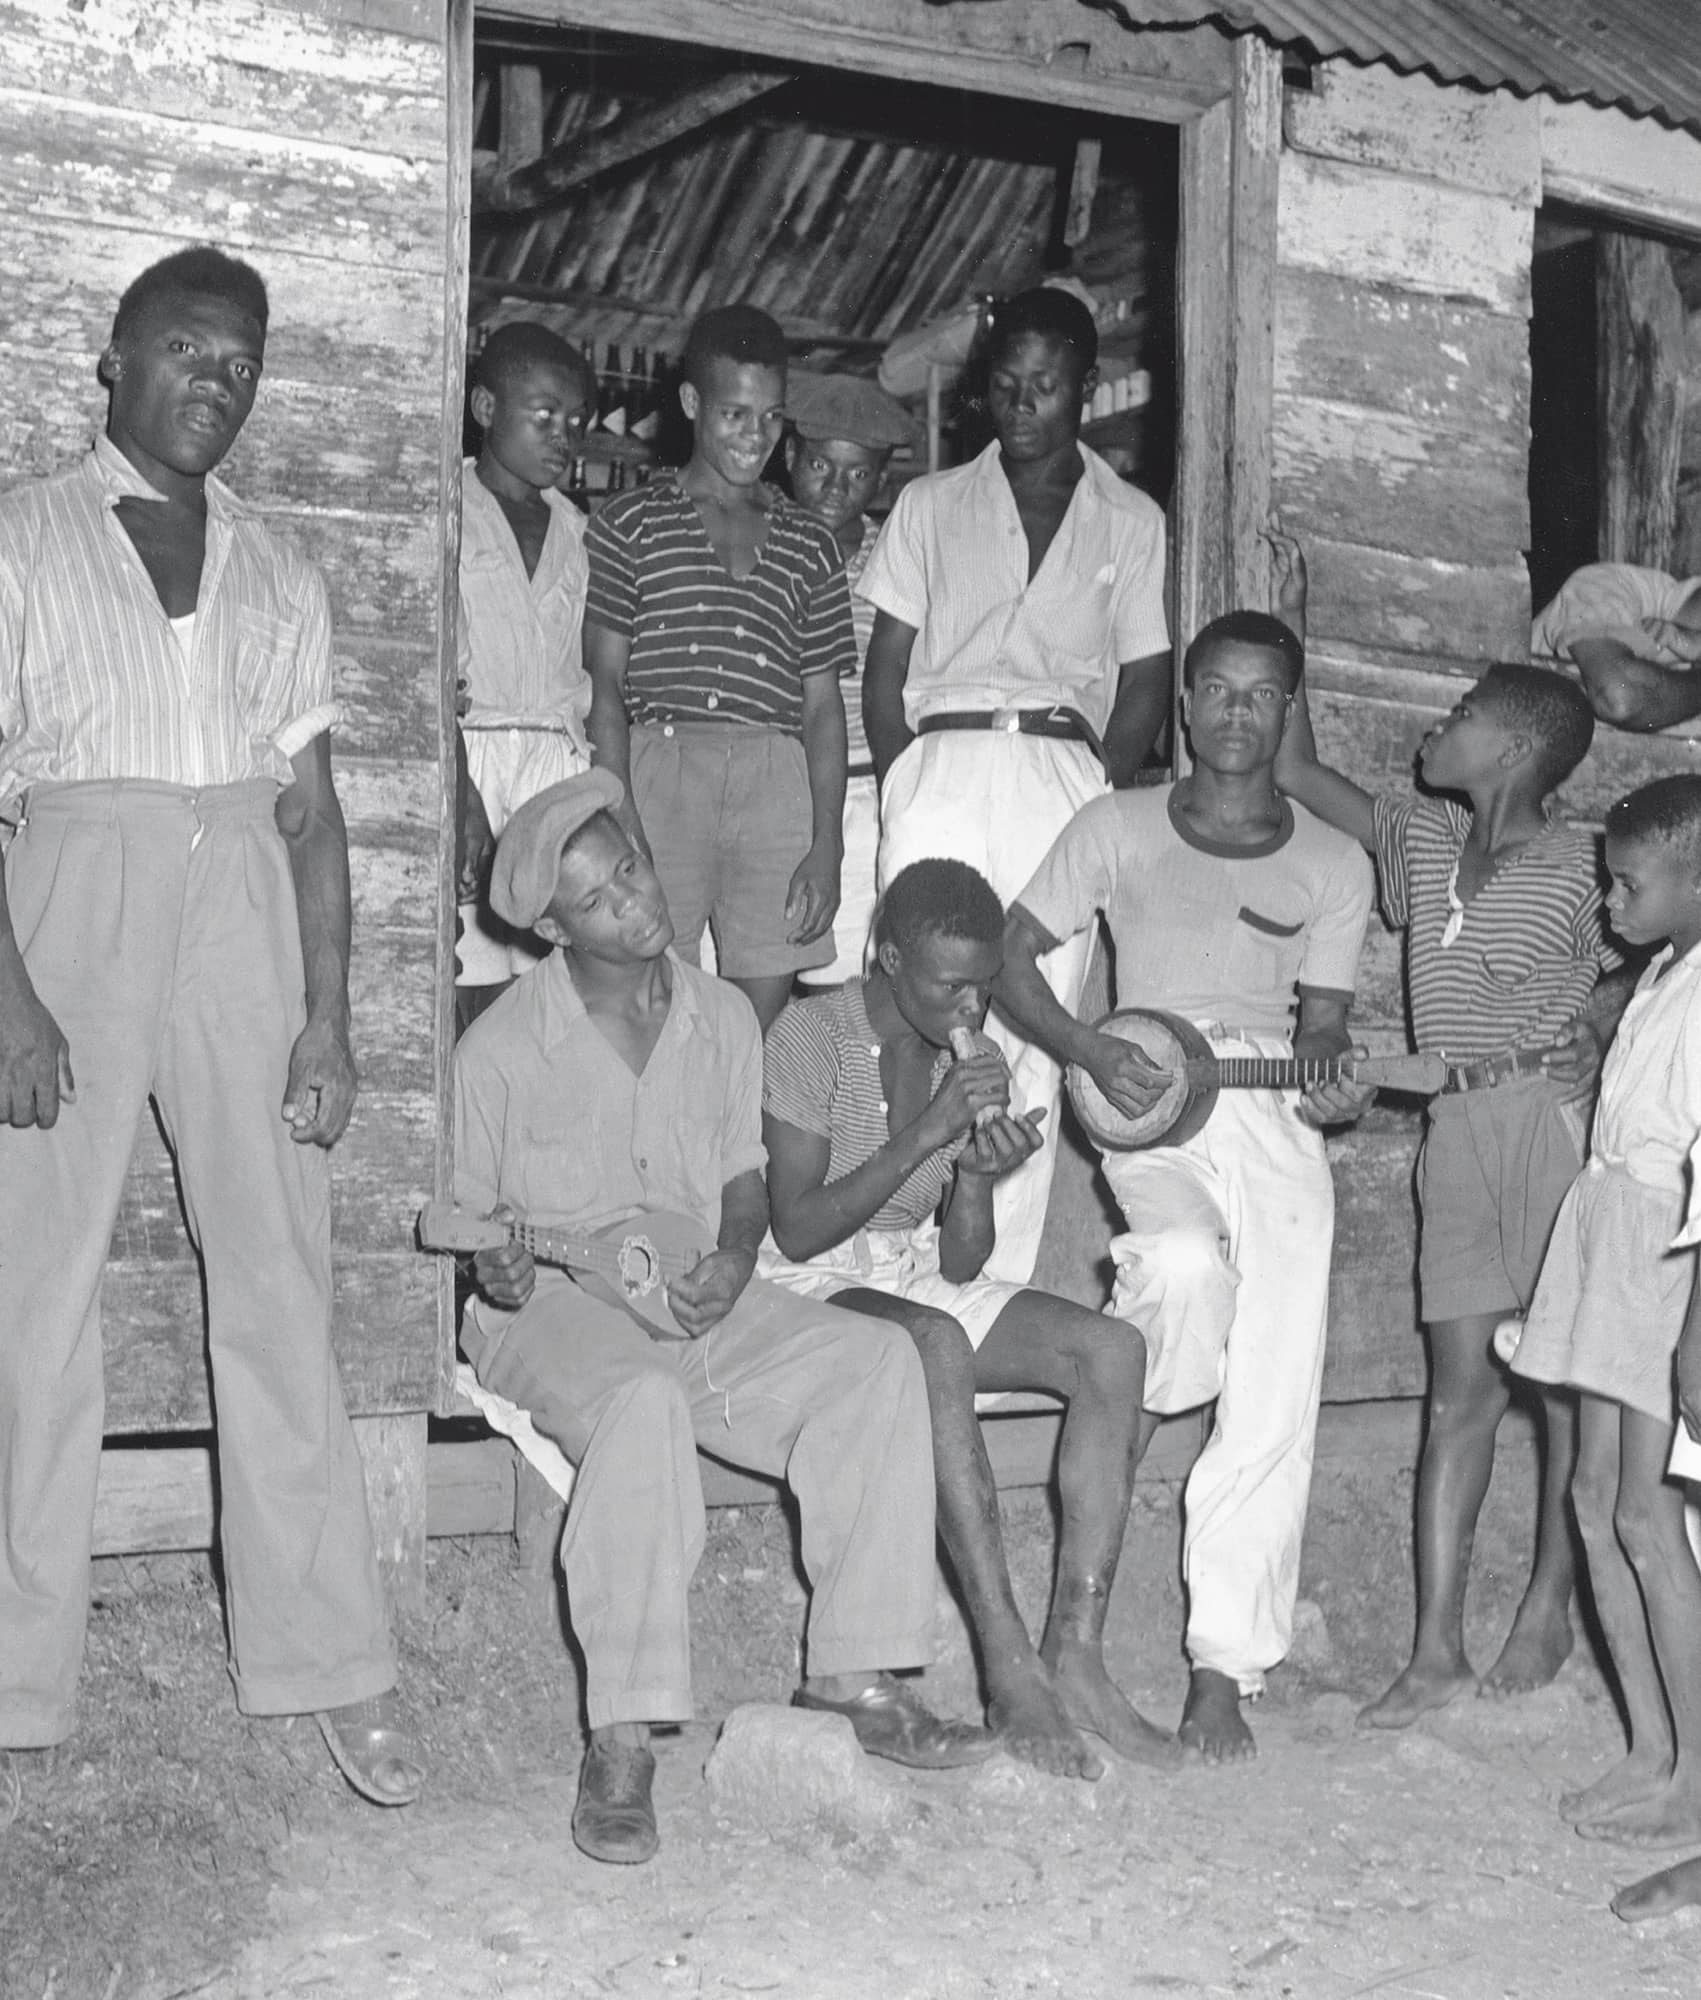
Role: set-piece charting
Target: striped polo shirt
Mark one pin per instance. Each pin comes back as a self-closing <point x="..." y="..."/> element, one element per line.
<point x="94" y="681"/>
<point x="707" y="646"/>
<point x="1527" y="948"/>
<point x="821" y="1073"/>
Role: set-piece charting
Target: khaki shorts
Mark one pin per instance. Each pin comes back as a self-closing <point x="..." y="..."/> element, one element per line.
<point x="1495" y="1166"/>
<point x="727" y="813"/>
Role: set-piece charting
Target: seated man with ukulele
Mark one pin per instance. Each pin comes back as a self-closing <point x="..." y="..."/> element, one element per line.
<point x="1222" y="897"/>
<point x="611" y="1083"/>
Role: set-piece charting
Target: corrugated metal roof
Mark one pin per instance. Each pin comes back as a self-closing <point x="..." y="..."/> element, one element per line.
<point x="1642" y="54"/>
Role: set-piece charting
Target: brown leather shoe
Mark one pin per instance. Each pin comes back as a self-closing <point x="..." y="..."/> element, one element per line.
<point x="892" y="1721"/>
<point x="613" y="1818"/>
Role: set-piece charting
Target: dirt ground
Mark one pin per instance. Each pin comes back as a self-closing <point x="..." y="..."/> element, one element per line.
<point x="174" y="1849"/>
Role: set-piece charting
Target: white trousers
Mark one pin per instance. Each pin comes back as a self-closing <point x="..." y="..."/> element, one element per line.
<point x="1225" y="1270"/>
<point x="998" y="801"/>
<point x="508" y="766"/>
<point x="854" y="919"/>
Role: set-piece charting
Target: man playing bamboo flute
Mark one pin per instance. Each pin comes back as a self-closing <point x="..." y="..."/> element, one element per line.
<point x="1019" y="664"/>
<point x="175" y="924"/>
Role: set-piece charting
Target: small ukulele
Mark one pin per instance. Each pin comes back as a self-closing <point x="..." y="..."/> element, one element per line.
<point x="1196" y="1074"/>
<point x="629" y="1264"/>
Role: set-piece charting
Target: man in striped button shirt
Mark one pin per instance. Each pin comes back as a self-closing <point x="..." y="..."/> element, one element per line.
<point x="717" y="630"/>
<point x="174" y="923"/>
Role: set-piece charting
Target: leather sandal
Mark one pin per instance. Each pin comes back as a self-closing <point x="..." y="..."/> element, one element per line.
<point x="892" y="1721"/>
<point x="373" y="1749"/>
<point x="614" y="1818"/>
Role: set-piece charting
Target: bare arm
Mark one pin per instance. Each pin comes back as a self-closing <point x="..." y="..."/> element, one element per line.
<point x="1145" y="695"/>
<point x="607" y="725"/>
<point x="1319" y="787"/>
<point x="883" y="676"/>
<point x="813" y="898"/>
<point x="1633" y="693"/>
<point x="1320" y="1033"/>
<point x="969" y="1229"/>
<point x="812" y="1215"/>
<point x="320" y="1092"/>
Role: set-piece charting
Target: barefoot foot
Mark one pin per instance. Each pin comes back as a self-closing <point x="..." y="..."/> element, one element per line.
<point x="1031" y="1720"/>
<point x="1420" y="1690"/>
<point x="1095" y="1703"/>
<point x="1674" y="1888"/>
<point x="1536" y="1648"/>
<point x="1211" y="1722"/>
<point x="1672" y="1818"/>
<point x="1631" y="1780"/>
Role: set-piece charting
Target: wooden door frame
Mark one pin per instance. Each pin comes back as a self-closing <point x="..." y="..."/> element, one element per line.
<point x="1223" y="94"/>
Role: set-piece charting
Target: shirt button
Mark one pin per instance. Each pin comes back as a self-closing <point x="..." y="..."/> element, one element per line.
<point x="693" y="647"/>
<point x="714" y="701"/>
<point x="644" y="1165"/>
<point x="738" y="631"/>
<point x="882" y="1104"/>
<point x="761" y="659"/>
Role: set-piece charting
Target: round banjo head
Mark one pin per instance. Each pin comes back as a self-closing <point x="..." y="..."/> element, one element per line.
<point x="1166" y="1041"/>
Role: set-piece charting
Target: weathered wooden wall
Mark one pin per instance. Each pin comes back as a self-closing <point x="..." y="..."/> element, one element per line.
<point x="309" y="138"/>
<point x="1401" y="453"/>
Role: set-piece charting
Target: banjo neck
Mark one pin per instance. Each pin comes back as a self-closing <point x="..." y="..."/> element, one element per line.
<point x="1289" y="1072"/>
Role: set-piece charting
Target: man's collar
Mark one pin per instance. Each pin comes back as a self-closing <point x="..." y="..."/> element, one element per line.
<point x="563" y="1009"/>
<point x="120" y="480"/>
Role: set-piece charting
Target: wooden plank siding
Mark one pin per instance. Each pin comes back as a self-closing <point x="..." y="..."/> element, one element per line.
<point x="310" y="138"/>
<point x="1400" y="452"/>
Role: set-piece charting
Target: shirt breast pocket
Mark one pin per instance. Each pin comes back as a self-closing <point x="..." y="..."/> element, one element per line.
<point x="264" y="651"/>
<point x="1266" y="951"/>
<point x="564" y="1172"/>
<point x="1511" y="962"/>
<point x="1079" y="621"/>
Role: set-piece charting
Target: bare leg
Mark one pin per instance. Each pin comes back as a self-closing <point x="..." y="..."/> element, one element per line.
<point x="1674" y="1888"/>
<point x="1467" y="1398"/>
<point x="1618" y="1600"/>
<point x="1651" y="1528"/>
<point x="1099" y="1365"/>
<point x="768" y="994"/>
<point x="1024" y="1708"/>
<point x="1541" y="1638"/>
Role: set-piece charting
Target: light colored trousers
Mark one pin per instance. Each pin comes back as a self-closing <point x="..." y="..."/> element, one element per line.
<point x="1225" y="1270"/>
<point x="834" y="1404"/>
<point x="159" y="928"/>
<point x="853" y="923"/>
<point x="998" y="801"/>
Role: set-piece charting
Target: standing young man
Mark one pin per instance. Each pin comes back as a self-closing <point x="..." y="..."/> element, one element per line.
<point x="844" y="431"/>
<point x="1223" y="899"/>
<point x="1019" y="664"/>
<point x="717" y="632"/>
<point x="175" y="923"/>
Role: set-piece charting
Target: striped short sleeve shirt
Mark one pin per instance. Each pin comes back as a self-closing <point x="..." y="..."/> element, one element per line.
<point x="1513" y="967"/>
<point x="94" y="681"/>
<point x="707" y="646"/>
<point x="821" y="1073"/>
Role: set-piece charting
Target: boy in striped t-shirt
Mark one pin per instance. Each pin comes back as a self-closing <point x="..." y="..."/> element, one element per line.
<point x="717" y="629"/>
<point x="1501" y="906"/>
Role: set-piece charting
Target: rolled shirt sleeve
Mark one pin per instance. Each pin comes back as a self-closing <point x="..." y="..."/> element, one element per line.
<point x="741" y="1148"/>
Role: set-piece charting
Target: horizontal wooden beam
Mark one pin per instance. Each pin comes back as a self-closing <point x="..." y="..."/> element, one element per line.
<point x="804" y="333"/>
<point x="542" y="183"/>
<point x="1067" y="52"/>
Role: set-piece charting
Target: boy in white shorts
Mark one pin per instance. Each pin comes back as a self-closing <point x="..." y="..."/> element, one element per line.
<point x="882" y="1158"/>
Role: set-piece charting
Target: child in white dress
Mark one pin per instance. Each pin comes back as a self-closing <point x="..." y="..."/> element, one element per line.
<point x="1607" y="1317"/>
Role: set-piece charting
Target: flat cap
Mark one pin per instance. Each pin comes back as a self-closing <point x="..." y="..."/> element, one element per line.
<point x="848" y="407"/>
<point x="528" y="856"/>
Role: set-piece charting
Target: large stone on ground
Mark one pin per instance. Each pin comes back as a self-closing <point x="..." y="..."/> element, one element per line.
<point x="784" y="1767"/>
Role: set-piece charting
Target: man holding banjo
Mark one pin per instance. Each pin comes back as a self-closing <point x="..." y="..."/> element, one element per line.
<point x="1224" y="900"/>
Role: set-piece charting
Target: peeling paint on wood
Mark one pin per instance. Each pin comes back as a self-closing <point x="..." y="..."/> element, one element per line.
<point x="1375" y="1347"/>
<point x="1489" y="141"/>
<point x="1633" y="168"/>
<point x="1376" y="598"/>
<point x="1383" y="229"/>
<point x="1399" y="483"/>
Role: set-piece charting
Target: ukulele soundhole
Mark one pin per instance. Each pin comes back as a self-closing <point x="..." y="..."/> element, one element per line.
<point x="640" y="1266"/>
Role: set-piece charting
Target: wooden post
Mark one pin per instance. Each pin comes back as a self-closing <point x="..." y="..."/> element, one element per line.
<point x="519" y="128"/>
<point x="1640" y="339"/>
<point x="935" y="398"/>
<point x="392" y="1452"/>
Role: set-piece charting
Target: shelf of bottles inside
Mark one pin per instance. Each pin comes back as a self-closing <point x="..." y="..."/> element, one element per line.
<point x="618" y="448"/>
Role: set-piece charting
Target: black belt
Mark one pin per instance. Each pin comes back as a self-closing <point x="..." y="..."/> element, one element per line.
<point x="1495" y="1069"/>
<point x="859" y="770"/>
<point x="1056" y="721"/>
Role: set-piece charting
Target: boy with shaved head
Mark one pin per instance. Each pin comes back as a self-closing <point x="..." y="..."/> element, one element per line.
<point x="174" y="924"/>
<point x="523" y="577"/>
<point x="716" y="634"/>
